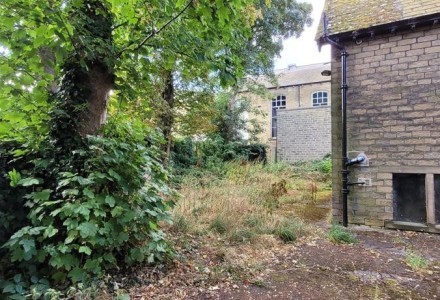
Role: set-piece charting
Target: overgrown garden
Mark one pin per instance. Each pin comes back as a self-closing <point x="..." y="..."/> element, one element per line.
<point x="100" y="102"/>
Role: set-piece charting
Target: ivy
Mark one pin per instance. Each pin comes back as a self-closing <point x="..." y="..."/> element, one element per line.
<point x="95" y="220"/>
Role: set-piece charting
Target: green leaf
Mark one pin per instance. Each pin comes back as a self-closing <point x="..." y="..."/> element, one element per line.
<point x="42" y="196"/>
<point x="77" y="274"/>
<point x="15" y="177"/>
<point x="27" y="244"/>
<point x="85" y="249"/>
<point x="114" y="175"/>
<point x="28" y="181"/>
<point x="50" y="231"/>
<point x="70" y="192"/>
<point x="110" y="201"/>
<point x="87" y="192"/>
<point x="87" y="229"/>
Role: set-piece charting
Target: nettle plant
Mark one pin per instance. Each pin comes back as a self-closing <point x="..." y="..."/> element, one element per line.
<point x="101" y="216"/>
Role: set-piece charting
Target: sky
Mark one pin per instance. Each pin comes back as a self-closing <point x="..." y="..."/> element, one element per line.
<point x="304" y="50"/>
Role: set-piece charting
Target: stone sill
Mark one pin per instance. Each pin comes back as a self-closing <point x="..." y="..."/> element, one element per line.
<point x="431" y="228"/>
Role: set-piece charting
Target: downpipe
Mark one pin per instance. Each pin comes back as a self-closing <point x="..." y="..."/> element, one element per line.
<point x="344" y="87"/>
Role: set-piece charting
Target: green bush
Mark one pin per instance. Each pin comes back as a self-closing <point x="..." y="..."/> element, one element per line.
<point x="212" y="153"/>
<point x="288" y="230"/>
<point x="183" y="155"/>
<point x="341" y="235"/>
<point x="12" y="209"/>
<point x="324" y="165"/>
<point x="91" y="210"/>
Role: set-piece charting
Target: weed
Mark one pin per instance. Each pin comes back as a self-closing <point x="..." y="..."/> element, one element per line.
<point x="250" y="200"/>
<point x="416" y="262"/>
<point x="288" y="230"/>
<point x="254" y="221"/>
<point x="181" y="224"/>
<point x="219" y="225"/>
<point x="341" y="235"/>
<point x="243" y="235"/>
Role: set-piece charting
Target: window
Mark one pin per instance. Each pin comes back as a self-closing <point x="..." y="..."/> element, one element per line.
<point x="409" y="197"/>
<point x="320" y="98"/>
<point x="277" y="103"/>
<point x="416" y="198"/>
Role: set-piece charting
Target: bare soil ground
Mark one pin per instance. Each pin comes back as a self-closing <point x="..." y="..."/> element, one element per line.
<point x="377" y="267"/>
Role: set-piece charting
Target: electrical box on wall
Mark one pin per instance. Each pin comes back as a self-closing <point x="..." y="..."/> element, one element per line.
<point x="355" y="154"/>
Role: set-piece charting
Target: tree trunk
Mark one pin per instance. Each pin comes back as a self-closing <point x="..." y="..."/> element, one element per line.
<point x="87" y="77"/>
<point x="100" y="82"/>
<point x="166" y="115"/>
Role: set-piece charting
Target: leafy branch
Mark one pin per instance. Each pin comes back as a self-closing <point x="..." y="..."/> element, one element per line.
<point x="156" y="32"/>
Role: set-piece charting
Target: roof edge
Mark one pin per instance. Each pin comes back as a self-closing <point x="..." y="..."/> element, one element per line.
<point x="393" y="27"/>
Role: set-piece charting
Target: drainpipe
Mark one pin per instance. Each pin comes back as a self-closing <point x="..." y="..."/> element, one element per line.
<point x="344" y="88"/>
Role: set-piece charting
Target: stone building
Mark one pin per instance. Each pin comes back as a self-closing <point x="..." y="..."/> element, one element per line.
<point x="393" y="110"/>
<point x="296" y="120"/>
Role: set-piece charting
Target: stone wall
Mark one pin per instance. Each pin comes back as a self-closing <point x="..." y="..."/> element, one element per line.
<point x="393" y="108"/>
<point x="303" y="134"/>
<point x="296" y="97"/>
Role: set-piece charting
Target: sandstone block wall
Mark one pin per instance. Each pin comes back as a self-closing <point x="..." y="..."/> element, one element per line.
<point x="393" y="108"/>
<point x="303" y="134"/>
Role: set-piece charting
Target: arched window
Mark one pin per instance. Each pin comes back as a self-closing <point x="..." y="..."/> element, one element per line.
<point x="279" y="102"/>
<point x="320" y="98"/>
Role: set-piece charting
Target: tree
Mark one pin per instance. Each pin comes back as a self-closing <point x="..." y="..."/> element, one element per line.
<point x="194" y="70"/>
<point x="89" y="203"/>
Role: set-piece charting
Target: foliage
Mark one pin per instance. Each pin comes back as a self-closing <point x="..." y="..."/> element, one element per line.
<point x="96" y="218"/>
<point x="212" y="153"/>
<point x="341" y="235"/>
<point x="416" y="262"/>
<point x="287" y="231"/>
<point x="12" y="210"/>
<point x="323" y="166"/>
<point x="94" y="202"/>
<point x="219" y="225"/>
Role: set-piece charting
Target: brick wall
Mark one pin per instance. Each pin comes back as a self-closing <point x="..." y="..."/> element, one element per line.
<point x="393" y="108"/>
<point x="303" y="134"/>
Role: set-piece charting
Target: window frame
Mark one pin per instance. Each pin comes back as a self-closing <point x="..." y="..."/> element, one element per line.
<point x="278" y="100"/>
<point x="319" y="104"/>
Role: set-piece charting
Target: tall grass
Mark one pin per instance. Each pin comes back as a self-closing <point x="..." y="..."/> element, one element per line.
<point x="245" y="202"/>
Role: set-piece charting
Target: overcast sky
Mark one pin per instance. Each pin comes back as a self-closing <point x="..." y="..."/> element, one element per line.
<point x="303" y="50"/>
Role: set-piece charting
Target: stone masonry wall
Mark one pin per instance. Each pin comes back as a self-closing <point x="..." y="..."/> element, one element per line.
<point x="303" y="134"/>
<point x="393" y="108"/>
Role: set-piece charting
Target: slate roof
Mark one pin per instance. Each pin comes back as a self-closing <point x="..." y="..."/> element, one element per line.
<point x="297" y="75"/>
<point x="352" y="15"/>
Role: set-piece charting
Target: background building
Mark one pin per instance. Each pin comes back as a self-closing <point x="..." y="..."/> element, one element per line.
<point x="296" y="118"/>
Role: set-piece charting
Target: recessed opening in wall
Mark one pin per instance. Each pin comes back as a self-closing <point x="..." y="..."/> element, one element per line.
<point x="409" y="204"/>
<point x="437" y="198"/>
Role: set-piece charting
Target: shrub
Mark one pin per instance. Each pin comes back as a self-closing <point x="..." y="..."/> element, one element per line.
<point x="341" y="235"/>
<point x="92" y="209"/>
<point x="212" y="153"/>
<point x="324" y="165"/>
<point x="183" y="155"/>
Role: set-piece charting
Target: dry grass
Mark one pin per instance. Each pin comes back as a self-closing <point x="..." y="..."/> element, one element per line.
<point x="251" y="200"/>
